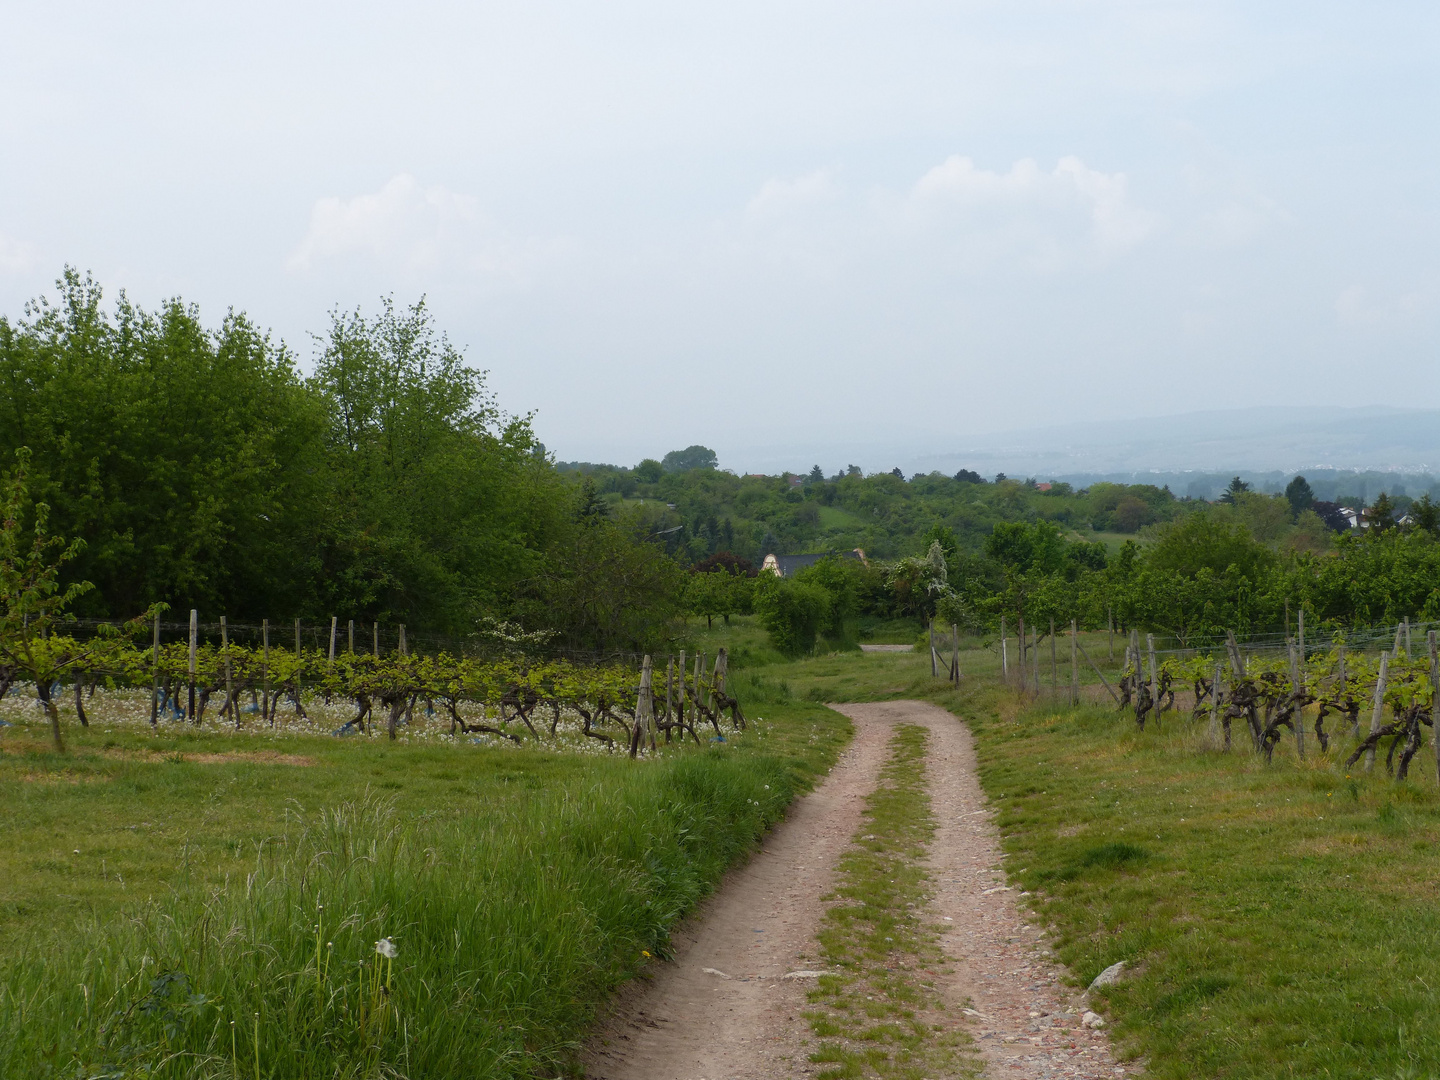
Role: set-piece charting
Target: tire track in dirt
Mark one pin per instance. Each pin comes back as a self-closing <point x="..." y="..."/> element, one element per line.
<point x="683" y="1022"/>
<point x="1028" y="1022"/>
<point x="679" y="1022"/>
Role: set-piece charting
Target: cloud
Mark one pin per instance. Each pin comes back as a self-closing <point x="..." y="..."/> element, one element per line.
<point x="16" y="256"/>
<point x="413" y="228"/>
<point x="781" y="196"/>
<point x="1037" y="205"/>
<point x="1359" y="306"/>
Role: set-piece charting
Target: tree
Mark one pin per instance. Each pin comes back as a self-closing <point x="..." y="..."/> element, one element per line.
<point x="966" y="476"/>
<point x="897" y="472"/>
<point x="1236" y="487"/>
<point x="692" y="457"/>
<point x="1299" y="495"/>
<point x="792" y="612"/>
<point x="1208" y="541"/>
<point x="1381" y="515"/>
<point x="649" y="471"/>
<point x="817" y="475"/>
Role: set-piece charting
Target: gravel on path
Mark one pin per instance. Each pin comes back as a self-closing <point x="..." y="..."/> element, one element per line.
<point x="722" y="1009"/>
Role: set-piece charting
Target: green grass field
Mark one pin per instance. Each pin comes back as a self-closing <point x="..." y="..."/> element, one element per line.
<point x="207" y="905"/>
<point x="1281" y="920"/>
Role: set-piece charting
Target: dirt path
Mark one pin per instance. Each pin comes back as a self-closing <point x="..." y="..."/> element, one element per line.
<point x="722" y="1009"/>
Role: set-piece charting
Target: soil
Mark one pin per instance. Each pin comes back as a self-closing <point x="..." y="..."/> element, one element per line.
<point x="721" y="1007"/>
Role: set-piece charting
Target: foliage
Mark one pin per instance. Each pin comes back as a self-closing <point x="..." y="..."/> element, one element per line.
<point x="793" y="612"/>
<point x="202" y="470"/>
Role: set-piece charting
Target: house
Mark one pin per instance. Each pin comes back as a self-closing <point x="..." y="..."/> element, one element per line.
<point x="790" y="565"/>
<point x="1351" y="516"/>
<point x="1043" y="487"/>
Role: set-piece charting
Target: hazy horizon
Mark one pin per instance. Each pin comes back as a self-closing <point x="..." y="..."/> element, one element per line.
<point x="781" y="231"/>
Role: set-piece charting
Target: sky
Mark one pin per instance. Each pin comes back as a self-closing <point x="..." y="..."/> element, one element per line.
<point x="794" y="232"/>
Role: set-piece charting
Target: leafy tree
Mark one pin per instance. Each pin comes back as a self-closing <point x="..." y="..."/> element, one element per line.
<point x="1236" y="487"/>
<point x="967" y="476"/>
<point x="1381" y="515"/>
<point x="817" y="475"/>
<point x="649" y="471"/>
<point x="1299" y="495"/>
<point x="840" y="578"/>
<point x="692" y="457"/>
<point x="1210" y="542"/>
<point x="793" y="612"/>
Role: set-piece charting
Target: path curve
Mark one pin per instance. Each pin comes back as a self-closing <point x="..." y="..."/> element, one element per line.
<point x="688" y="1021"/>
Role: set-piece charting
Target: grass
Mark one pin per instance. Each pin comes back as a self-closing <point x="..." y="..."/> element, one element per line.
<point x="878" y="1010"/>
<point x="156" y="890"/>
<point x="1279" y="920"/>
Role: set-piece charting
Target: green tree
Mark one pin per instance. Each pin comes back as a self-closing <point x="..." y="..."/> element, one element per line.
<point x="1299" y="495"/>
<point x="1236" y="487"/>
<point x="1381" y="515"/>
<point x="692" y="457"/>
<point x="793" y="612"/>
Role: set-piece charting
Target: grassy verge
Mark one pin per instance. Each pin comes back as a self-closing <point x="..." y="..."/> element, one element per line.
<point x="194" y="906"/>
<point x="1280" y="920"/>
<point x="878" y="1010"/>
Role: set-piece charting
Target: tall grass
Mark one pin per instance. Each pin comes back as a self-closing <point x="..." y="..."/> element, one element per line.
<point x="510" y="924"/>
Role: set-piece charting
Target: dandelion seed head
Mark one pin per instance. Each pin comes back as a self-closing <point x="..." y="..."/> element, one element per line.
<point x="386" y="948"/>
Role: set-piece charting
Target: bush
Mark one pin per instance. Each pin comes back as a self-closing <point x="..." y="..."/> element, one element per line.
<point x="792" y="612"/>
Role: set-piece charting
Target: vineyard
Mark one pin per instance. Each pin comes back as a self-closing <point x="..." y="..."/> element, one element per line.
<point x="210" y="677"/>
<point x="1270" y="688"/>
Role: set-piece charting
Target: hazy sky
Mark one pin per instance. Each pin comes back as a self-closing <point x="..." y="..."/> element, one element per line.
<point x="787" y="231"/>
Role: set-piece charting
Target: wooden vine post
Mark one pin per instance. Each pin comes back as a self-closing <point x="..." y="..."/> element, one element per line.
<point x="1295" y="688"/>
<point x="194" y="634"/>
<point x="334" y="622"/>
<point x="1022" y="667"/>
<point x="299" y="667"/>
<point x="1377" y="713"/>
<point x="1434" y="698"/>
<point x="404" y="649"/>
<point x="934" y="668"/>
<point x="1154" y="678"/>
<point x="1215" y="706"/>
<point x="684" y="678"/>
<point x="352" y="637"/>
<point x="230" y="702"/>
<point x="265" y="668"/>
<point x="1004" y="652"/>
<point x="644" y="710"/>
<point x="1054" y="663"/>
<point x="375" y="647"/>
<point x="1074" y="665"/>
<point x="155" y="677"/>
<point x="955" y="653"/>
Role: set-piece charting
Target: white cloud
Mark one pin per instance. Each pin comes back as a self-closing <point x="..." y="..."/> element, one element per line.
<point x="1358" y="305"/>
<point x="413" y="228"/>
<point x="1038" y="205"/>
<point x="16" y="256"/>
<point x="780" y="196"/>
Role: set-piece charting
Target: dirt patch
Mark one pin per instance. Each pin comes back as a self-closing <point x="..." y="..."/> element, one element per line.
<point x="887" y="648"/>
<point x="1024" y="1020"/>
<point x="229" y="757"/>
<point x="63" y="778"/>
<point x="723" y="1007"/>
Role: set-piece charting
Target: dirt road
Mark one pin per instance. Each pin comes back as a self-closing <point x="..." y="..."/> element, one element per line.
<point x="723" y="1008"/>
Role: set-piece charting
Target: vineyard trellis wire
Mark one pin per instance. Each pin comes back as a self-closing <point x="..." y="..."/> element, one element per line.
<point x="490" y="687"/>
<point x="1272" y="683"/>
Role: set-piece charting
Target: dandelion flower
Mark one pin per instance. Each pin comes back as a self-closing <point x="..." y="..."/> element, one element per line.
<point x="386" y="948"/>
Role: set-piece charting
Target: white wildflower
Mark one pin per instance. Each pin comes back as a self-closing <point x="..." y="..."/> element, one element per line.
<point x="386" y="948"/>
